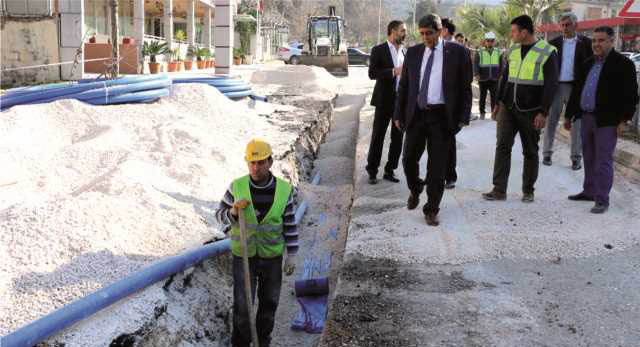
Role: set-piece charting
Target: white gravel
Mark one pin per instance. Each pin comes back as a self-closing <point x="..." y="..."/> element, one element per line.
<point x="91" y="194"/>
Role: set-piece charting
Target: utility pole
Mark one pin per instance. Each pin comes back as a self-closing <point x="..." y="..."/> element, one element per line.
<point x="379" y="18"/>
<point x="115" y="51"/>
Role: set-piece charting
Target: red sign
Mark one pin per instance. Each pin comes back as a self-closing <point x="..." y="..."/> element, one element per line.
<point x="630" y="9"/>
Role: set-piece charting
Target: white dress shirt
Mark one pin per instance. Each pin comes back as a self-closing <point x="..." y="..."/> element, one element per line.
<point x="568" y="54"/>
<point x="397" y="55"/>
<point x="435" y="95"/>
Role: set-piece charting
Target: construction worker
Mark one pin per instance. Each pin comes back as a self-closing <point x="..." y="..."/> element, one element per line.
<point x="526" y="90"/>
<point x="487" y="65"/>
<point x="269" y="209"/>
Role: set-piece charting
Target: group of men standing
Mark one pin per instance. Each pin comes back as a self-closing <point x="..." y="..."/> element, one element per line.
<point x="426" y="91"/>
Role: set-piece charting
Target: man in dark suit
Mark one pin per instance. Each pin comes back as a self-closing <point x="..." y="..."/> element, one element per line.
<point x="433" y="103"/>
<point x="385" y="67"/>
<point x="605" y="97"/>
<point x="572" y="49"/>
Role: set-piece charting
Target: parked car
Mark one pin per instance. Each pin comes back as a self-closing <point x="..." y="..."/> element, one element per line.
<point x="290" y="54"/>
<point x="628" y="54"/>
<point x="357" y="56"/>
<point x="635" y="58"/>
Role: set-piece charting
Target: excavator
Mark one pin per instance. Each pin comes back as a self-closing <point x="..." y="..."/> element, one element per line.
<point x="326" y="45"/>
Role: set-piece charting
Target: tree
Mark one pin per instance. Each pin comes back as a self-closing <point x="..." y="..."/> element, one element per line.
<point x="538" y="10"/>
<point x="246" y="29"/>
<point x="475" y="21"/>
<point x="423" y="8"/>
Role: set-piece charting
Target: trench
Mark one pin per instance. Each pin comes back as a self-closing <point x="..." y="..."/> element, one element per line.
<point x="194" y="307"/>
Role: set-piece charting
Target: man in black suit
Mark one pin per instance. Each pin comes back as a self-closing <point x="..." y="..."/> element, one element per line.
<point x="572" y="49"/>
<point x="385" y="67"/>
<point x="605" y="97"/>
<point x="433" y="103"/>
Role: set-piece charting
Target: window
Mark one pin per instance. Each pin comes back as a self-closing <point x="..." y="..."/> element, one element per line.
<point x="27" y="8"/>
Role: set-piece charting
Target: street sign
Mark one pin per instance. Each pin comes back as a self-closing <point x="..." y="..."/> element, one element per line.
<point x="630" y="9"/>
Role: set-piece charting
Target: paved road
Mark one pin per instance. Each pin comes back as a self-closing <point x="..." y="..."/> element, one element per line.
<point x="492" y="274"/>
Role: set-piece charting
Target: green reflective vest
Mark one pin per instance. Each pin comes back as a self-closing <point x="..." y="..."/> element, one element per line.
<point x="489" y="59"/>
<point x="529" y="71"/>
<point x="264" y="238"/>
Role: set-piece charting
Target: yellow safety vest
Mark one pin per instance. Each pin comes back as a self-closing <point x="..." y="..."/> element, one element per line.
<point x="528" y="71"/>
<point x="489" y="59"/>
<point x="265" y="238"/>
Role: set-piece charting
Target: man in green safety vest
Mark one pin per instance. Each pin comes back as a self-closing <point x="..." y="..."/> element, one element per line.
<point x="487" y="65"/>
<point x="525" y="94"/>
<point x="269" y="205"/>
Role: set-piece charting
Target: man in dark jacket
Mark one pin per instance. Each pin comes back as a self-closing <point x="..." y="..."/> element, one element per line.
<point x="433" y="103"/>
<point x="527" y="87"/>
<point x="605" y="97"/>
<point x="385" y="67"/>
<point x="572" y="50"/>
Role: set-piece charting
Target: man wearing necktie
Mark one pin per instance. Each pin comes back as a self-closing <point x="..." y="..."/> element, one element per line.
<point x="385" y="67"/>
<point x="433" y="104"/>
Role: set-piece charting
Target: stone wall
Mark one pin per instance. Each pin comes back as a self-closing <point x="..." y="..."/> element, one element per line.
<point x="28" y="42"/>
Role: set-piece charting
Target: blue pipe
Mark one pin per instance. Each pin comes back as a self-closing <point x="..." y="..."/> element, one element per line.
<point x="54" y="322"/>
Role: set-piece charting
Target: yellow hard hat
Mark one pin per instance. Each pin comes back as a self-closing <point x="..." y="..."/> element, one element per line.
<point x="257" y="149"/>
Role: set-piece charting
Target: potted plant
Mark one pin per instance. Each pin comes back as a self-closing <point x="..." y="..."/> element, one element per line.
<point x="188" y="63"/>
<point x="199" y="53"/>
<point x="172" y="66"/>
<point x="151" y="49"/>
<point x="127" y="40"/>
<point x="237" y="56"/>
<point x="180" y="35"/>
<point x="92" y="39"/>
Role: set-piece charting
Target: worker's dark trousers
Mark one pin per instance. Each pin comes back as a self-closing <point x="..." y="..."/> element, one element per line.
<point x="381" y="120"/>
<point x="268" y="275"/>
<point x="511" y="122"/>
<point x="487" y="86"/>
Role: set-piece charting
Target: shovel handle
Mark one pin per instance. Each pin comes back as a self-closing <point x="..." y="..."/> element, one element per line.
<point x="247" y="279"/>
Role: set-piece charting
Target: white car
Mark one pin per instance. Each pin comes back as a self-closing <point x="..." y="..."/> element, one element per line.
<point x="290" y="54"/>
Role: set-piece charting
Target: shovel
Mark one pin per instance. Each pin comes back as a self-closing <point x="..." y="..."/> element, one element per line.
<point x="247" y="280"/>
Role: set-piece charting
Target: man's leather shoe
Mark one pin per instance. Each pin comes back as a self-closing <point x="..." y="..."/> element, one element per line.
<point x="546" y="161"/>
<point x="527" y="197"/>
<point x="373" y="179"/>
<point x="432" y="219"/>
<point x="493" y="196"/>
<point x="575" y="165"/>
<point x="413" y="201"/>
<point x="389" y="176"/>
<point x="450" y="185"/>
<point x="599" y="208"/>
<point x="580" y="197"/>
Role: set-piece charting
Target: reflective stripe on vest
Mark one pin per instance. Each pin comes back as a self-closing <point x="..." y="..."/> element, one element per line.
<point x="529" y="70"/>
<point x="266" y="238"/>
<point x="489" y="59"/>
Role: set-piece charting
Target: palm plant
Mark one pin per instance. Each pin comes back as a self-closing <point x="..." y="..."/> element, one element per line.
<point x="153" y="48"/>
<point x="536" y="9"/>
<point x="199" y="52"/>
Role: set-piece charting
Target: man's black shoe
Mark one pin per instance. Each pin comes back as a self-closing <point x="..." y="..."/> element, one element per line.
<point x="373" y="179"/>
<point x="450" y="185"/>
<point x="493" y="196"/>
<point x="580" y="197"/>
<point x="546" y="161"/>
<point x="432" y="219"/>
<point x="599" y="208"/>
<point x="575" y="165"/>
<point x="389" y="176"/>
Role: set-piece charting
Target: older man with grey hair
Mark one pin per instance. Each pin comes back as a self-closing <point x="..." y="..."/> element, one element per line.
<point x="572" y="51"/>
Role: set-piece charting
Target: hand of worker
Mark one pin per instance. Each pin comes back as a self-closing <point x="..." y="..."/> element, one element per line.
<point x="567" y="124"/>
<point x="240" y="204"/>
<point x="289" y="265"/>
<point x="398" y="125"/>
<point x="397" y="71"/>
<point x="494" y="112"/>
<point x="540" y="121"/>
<point x="620" y="129"/>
